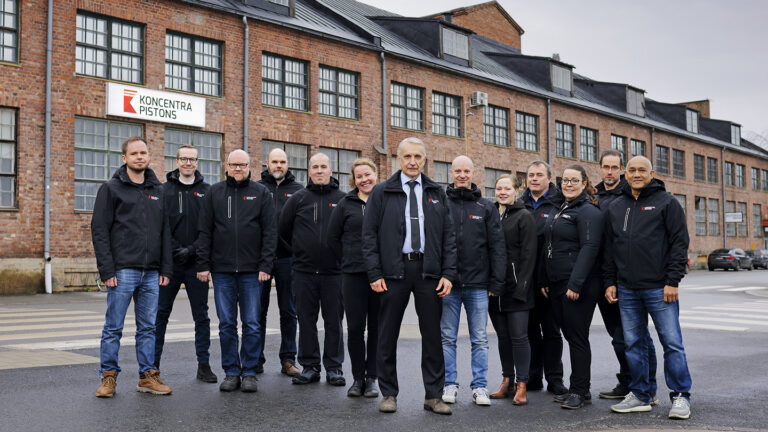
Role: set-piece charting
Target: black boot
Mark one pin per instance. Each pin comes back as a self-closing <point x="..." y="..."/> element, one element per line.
<point x="357" y="388"/>
<point x="205" y="374"/>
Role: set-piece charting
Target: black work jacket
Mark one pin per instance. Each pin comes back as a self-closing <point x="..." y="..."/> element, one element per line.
<point x="345" y="233"/>
<point x="237" y="228"/>
<point x="542" y="215"/>
<point x="303" y="225"/>
<point x="520" y="242"/>
<point x="129" y="228"/>
<point x="182" y="207"/>
<point x="384" y="231"/>
<point x="646" y="239"/>
<point x="605" y="197"/>
<point x="482" y="257"/>
<point x="572" y="246"/>
<point x="280" y="194"/>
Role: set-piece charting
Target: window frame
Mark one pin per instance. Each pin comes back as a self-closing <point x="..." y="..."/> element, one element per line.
<point x="741" y="227"/>
<point x="730" y="227"/>
<point x="635" y="102"/>
<point x="755" y="177"/>
<point x="700" y="218"/>
<point x="337" y="94"/>
<point x="662" y="166"/>
<point x="635" y="144"/>
<point x="699" y="167"/>
<point x="108" y="48"/>
<point x="561" y="75"/>
<point x="735" y="135"/>
<point x="561" y="141"/>
<point x="405" y="107"/>
<point x="764" y="180"/>
<point x="302" y="170"/>
<point x="525" y="133"/>
<point x="282" y="83"/>
<point x="489" y="187"/>
<point x="192" y="65"/>
<point x="757" y="224"/>
<point x="13" y="173"/>
<point x="712" y="170"/>
<point x="585" y="145"/>
<point x="443" y="114"/>
<point x="691" y="121"/>
<point x="619" y="143"/>
<point x="713" y="217"/>
<point x="334" y="155"/>
<point x="452" y="43"/>
<point x="494" y="127"/>
<point x="729" y="173"/>
<point x="170" y="156"/>
<point x="437" y="172"/>
<point x="12" y="30"/>
<point x="678" y="166"/>
<point x="740" y="176"/>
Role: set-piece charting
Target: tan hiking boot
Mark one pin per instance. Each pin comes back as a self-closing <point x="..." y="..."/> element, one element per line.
<point x="150" y="382"/>
<point x="108" y="384"/>
<point x="437" y="406"/>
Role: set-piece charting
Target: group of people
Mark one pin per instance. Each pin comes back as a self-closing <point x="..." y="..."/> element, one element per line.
<point x="537" y="261"/>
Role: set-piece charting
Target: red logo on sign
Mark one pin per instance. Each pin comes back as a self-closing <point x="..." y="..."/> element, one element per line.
<point x="127" y="98"/>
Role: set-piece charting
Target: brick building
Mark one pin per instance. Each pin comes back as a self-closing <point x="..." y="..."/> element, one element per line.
<point x="308" y="75"/>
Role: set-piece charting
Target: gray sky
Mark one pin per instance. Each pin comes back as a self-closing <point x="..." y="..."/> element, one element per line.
<point x="676" y="50"/>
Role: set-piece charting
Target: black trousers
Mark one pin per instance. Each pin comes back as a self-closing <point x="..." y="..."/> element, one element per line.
<point x="429" y="310"/>
<point x="197" y="293"/>
<point x="315" y="292"/>
<point x="281" y="273"/>
<point x="574" y="317"/>
<point x="546" y="342"/>
<point x="612" y="320"/>
<point x="514" y="349"/>
<point x="361" y="305"/>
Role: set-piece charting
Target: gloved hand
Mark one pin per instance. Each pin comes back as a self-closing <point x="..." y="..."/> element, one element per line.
<point x="182" y="255"/>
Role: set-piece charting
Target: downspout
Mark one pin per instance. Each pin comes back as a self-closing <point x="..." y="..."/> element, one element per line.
<point x="245" y="86"/>
<point x="652" y="150"/>
<point x="722" y="200"/>
<point x="549" y="132"/>
<point x="47" y="216"/>
<point x="384" y="105"/>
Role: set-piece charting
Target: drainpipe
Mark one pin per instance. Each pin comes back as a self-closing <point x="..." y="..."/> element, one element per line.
<point x="652" y="150"/>
<point x="47" y="214"/>
<point x="245" y="86"/>
<point x="549" y="132"/>
<point x="384" y="105"/>
<point x="722" y="195"/>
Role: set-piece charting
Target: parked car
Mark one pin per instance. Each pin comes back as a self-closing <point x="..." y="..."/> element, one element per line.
<point x="759" y="257"/>
<point x="725" y="259"/>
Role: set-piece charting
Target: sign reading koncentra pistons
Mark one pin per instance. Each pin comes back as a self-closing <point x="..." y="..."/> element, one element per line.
<point x="154" y="105"/>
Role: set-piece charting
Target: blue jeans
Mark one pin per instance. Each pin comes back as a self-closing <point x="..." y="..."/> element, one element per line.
<point x="142" y="286"/>
<point x="282" y="273"/>
<point x="229" y="291"/>
<point x="635" y="306"/>
<point x="476" y="306"/>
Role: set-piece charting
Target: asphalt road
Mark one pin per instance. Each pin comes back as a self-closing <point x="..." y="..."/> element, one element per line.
<point x="725" y="328"/>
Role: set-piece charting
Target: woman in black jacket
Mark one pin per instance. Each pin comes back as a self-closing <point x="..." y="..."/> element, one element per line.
<point x="572" y="278"/>
<point x="509" y="311"/>
<point x="345" y="240"/>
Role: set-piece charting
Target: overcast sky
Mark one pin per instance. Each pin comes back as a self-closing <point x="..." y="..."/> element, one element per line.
<point x="676" y="50"/>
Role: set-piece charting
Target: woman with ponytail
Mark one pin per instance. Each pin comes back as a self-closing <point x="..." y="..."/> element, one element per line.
<point x="572" y="278"/>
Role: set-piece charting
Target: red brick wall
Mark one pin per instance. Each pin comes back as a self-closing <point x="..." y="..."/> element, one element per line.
<point x="488" y="21"/>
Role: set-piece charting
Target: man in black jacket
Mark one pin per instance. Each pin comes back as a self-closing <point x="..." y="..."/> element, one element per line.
<point x="612" y="172"/>
<point x="409" y="246"/>
<point x="280" y="181"/>
<point x="132" y="243"/>
<point x="316" y="272"/>
<point x="184" y="192"/>
<point x="236" y="248"/>
<point x="481" y="268"/>
<point x="645" y="256"/>
<point x="543" y="199"/>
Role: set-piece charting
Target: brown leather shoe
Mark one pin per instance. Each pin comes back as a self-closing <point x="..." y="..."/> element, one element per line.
<point x="388" y="404"/>
<point x="437" y="406"/>
<point x="520" y="395"/>
<point x="150" y="382"/>
<point x="503" y="391"/>
<point x="108" y="384"/>
<point x="290" y="369"/>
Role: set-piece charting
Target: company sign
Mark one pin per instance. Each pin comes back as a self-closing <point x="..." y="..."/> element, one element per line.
<point x="160" y="106"/>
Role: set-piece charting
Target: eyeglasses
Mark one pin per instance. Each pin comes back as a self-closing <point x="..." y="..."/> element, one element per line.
<point x="187" y="160"/>
<point x="238" y="165"/>
<point x="571" y="181"/>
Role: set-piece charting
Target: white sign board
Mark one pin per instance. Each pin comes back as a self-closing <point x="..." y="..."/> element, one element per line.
<point x="733" y="217"/>
<point x="154" y="105"/>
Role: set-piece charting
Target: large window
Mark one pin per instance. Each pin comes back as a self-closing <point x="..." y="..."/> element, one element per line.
<point x="735" y="135"/>
<point x="764" y="179"/>
<point x="692" y="121"/>
<point x="496" y="126"/>
<point x="192" y="64"/>
<point x="755" y="179"/>
<point x="341" y="164"/>
<point x="711" y="170"/>
<point x="757" y="226"/>
<point x="446" y="114"/>
<point x="637" y="147"/>
<point x="97" y="155"/>
<point x="698" y="168"/>
<point x="7" y="158"/>
<point x="561" y="79"/>
<point x="490" y="182"/>
<point x="678" y="163"/>
<point x="284" y="82"/>
<point x="741" y="207"/>
<point x="713" y="216"/>
<point x="588" y="144"/>
<point x="442" y="174"/>
<point x="9" y="31"/>
<point x="564" y="140"/>
<point x="208" y="147"/>
<point x="455" y="44"/>
<point x="297" y="158"/>
<point x="635" y="102"/>
<point x="109" y="48"/>
<point x="662" y="159"/>
<point x="619" y="143"/>
<point x="730" y="227"/>
<point x="701" y="216"/>
<point x="740" y="180"/>
<point x="526" y="131"/>
<point x="728" y="175"/>
<point x="407" y="106"/>
<point x="339" y="93"/>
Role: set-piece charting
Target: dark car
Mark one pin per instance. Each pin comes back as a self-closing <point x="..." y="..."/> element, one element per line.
<point x="725" y="259"/>
<point x="759" y="257"/>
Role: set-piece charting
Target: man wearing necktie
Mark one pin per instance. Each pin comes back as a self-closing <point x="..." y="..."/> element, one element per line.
<point x="409" y="246"/>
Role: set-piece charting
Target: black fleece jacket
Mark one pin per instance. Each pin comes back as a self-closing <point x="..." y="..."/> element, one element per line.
<point x="280" y="194"/>
<point x="345" y="232"/>
<point x="182" y="208"/>
<point x="482" y="257"/>
<point x="646" y="239"/>
<point x="237" y="228"/>
<point x="303" y="224"/>
<point x="129" y="228"/>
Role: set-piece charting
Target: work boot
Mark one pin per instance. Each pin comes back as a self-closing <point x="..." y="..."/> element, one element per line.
<point x="503" y="391"/>
<point x="289" y="368"/>
<point x="230" y="383"/>
<point x="371" y="388"/>
<point x="618" y="392"/>
<point x="521" y="398"/>
<point x="437" y="406"/>
<point x="150" y="382"/>
<point x="356" y="390"/>
<point x="108" y="384"/>
<point x="248" y="384"/>
<point x="205" y="374"/>
<point x="388" y="404"/>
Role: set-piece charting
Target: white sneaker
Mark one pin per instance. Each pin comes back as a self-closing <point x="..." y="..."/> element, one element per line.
<point x="480" y="396"/>
<point x="631" y="404"/>
<point x="449" y="393"/>
<point x="681" y="407"/>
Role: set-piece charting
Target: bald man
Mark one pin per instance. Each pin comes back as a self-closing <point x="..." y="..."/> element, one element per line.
<point x="645" y="258"/>
<point x="482" y="256"/>
<point x="281" y="182"/>
<point x="236" y="249"/>
<point x="316" y="273"/>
